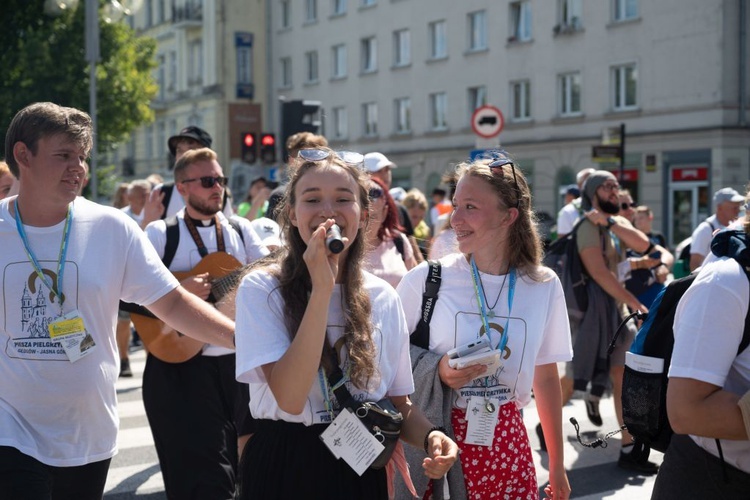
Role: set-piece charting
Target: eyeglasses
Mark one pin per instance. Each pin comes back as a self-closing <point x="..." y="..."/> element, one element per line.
<point x="375" y="193"/>
<point x="209" y="182"/>
<point x="499" y="161"/>
<point x="610" y="186"/>
<point x="348" y="157"/>
<point x="626" y="206"/>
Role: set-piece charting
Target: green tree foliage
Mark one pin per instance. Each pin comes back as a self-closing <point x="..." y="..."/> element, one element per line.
<point x="42" y="58"/>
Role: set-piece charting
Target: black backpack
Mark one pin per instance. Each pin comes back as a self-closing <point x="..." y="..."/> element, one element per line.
<point x="644" y="394"/>
<point x="562" y="257"/>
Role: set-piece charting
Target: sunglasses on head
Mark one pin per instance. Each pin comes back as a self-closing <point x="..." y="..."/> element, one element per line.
<point x="375" y="193"/>
<point x="626" y="206"/>
<point x="500" y="160"/>
<point x="348" y="157"/>
<point x="209" y="182"/>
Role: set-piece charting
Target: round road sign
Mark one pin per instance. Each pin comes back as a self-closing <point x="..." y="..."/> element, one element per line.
<point x="487" y="122"/>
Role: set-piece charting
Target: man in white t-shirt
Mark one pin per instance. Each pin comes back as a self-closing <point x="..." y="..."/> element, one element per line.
<point x="727" y="202"/>
<point x="195" y="406"/>
<point x="569" y="214"/>
<point x="66" y="264"/>
<point x="708" y="397"/>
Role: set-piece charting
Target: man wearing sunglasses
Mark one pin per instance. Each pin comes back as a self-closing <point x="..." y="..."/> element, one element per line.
<point x="196" y="408"/>
<point x="602" y="242"/>
<point x="164" y="201"/>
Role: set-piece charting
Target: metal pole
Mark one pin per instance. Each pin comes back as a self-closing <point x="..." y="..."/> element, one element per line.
<point x="622" y="152"/>
<point x="92" y="57"/>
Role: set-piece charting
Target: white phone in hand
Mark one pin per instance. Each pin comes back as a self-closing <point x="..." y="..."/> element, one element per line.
<point x="482" y="343"/>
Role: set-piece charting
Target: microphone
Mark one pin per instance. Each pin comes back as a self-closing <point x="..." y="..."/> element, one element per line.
<point x="333" y="239"/>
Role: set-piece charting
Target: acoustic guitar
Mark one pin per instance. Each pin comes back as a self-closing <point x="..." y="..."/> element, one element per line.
<point x="168" y="344"/>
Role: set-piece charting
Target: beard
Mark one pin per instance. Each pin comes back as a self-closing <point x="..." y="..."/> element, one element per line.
<point x="607" y="206"/>
<point x="204" y="208"/>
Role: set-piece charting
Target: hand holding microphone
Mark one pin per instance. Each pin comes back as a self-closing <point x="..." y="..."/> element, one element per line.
<point x="334" y="242"/>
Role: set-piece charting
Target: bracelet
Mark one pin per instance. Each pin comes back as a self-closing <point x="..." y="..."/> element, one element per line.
<point x="427" y="436"/>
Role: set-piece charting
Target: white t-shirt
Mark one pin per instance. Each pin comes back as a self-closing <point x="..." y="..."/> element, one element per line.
<point x="129" y="211"/>
<point x="708" y="326"/>
<point x="385" y="261"/>
<point x="61" y="413"/>
<point x="703" y="234"/>
<point x="568" y="215"/>
<point x="538" y="331"/>
<point x="445" y="243"/>
<point x="187" y="256"/>
<point x="262" y="338"/>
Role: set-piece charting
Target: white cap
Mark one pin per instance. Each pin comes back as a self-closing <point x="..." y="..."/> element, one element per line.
<point x="397" y="193"/>
<point x="267" y="230"/>
<point x="727" y="194"/>
<point x="377" y="161"/>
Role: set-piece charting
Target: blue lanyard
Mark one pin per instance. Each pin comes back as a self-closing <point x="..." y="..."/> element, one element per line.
<point x="60" y="260"/>
<point x="479" y="290"/>
<point x="326" y="389"/>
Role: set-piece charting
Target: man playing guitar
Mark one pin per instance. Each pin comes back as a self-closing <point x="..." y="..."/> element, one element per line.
<point x="194" y="405"/>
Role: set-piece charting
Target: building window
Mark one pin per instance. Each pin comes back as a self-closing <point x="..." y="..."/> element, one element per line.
<point x="438" y="111"/>
<point x="477" y="98"/>
<point x="521" y="100"/>
<point x="369" y="55"/>
<point x="244" y="64"/>
<point x="148" y="138"/>
<point x="520" y="19"/>
<point x="477" y="30"/>
<point x="161" y="72"/>
<point x="340" y="125"/>
<point x="438" y="42"/>
<point x="569" y="94"/>
<point x="195" y="62"/>
<point x="401" y="48"/>
<point x="368" y="3"/>
<point x="570" y="14"/>
<point x="370" y="119"/>
<point x="339" y="7"/>
<point x="625" y="9"/>
<point x="338" y="61"/>
<point x="624" y="87"/>
<point x="161" y="134"/>
<point x="402" y="109"/>
<point x="149" y="8"/>
<point x="160" y="11"/>
<point x="286" y="71"/>
<point x="311" y="11"/>
<point x="311" y="66"/>
<point x="286" y="13"/>
<point x="172" y="70"/>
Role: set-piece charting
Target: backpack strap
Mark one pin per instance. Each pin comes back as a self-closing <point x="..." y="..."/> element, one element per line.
<point x="167" y="190"/>
<point x="237" y="227"/>
<point x="173" y="240"/>
<point x="421" y="335"/>
<point x="399" y="242"/>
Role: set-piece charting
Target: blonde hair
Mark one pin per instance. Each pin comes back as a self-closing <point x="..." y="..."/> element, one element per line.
<point x="415" y="198"/>
<point x="4" y="169"/>
<point x="190" y="157"/>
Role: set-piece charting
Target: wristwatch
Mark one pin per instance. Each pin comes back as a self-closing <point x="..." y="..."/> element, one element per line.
<point x="610" y="222"/>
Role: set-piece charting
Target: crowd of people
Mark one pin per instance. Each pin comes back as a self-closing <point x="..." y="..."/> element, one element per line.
<point x="265" y="343"/>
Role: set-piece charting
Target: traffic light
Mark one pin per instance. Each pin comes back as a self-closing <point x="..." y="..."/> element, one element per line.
<point x="268" y="147"/>
<point x="299" y="116"/>
<point x="249" y="147"/>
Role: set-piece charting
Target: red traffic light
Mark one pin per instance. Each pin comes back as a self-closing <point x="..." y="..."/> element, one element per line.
<point x="268" y="140"/>
<point x="248" y="140"/>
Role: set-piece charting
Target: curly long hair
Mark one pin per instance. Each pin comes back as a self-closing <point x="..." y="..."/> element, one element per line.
<point x="524" y="244"/>
<point x="295" y="285"/>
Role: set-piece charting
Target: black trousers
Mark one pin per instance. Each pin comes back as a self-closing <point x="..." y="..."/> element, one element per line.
<point x="25" y="478"/>
<point x="191" y="408"/>
<point x="689" y="471"/>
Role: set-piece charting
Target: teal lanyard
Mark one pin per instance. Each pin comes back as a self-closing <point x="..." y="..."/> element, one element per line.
<point x="60" y="260"/>
<point x="326" y="389"/>
<point x="479" y="290"/>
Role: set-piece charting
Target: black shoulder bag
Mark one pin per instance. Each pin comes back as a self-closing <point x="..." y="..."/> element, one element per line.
<point x="381" y="418"/>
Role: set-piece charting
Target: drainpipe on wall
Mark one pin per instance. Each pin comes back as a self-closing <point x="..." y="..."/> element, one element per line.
<point x="268" y="111"/>
<point x="743" y="63"/>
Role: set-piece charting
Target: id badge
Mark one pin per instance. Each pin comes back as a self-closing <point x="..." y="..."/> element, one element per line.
<point x="348" y="438"/>
<point x="482" y="416"/>
<point x="70" y="331"/>
<point x="623" y="271"/>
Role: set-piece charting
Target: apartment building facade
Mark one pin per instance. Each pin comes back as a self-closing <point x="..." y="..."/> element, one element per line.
<point x="211" y="60"/>
<point x="403" y="77"/>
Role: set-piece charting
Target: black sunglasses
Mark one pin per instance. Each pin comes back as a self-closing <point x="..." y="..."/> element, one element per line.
<point x="209" y="182"/>
<point x="625" y="206"/>
<point x="375" y="193"/>
<point x="498" y="163"/>
<point x="349" y="157"/>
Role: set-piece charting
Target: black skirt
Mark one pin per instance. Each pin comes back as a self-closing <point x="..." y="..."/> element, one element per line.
<point x="286" y="460"/>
